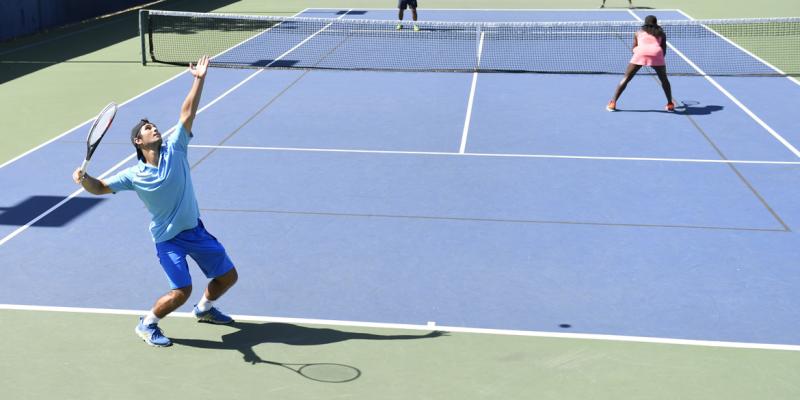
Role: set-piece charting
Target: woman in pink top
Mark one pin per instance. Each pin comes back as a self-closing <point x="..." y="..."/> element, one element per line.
<point x="649" y="48"/>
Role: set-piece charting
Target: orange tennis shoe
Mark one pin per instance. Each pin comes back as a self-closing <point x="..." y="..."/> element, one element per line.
<point x="612" y="106"/>
<point x="670" y="107"/>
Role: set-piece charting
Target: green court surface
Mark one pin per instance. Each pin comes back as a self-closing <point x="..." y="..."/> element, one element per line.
<point x="48" y="355"/>
<point x="50" y="82"/>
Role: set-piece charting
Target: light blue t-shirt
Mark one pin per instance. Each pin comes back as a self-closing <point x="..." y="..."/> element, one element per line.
<point x="166" y="190"/>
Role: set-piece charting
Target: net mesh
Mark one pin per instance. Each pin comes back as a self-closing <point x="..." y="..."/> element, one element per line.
<point x="760" y="47"/>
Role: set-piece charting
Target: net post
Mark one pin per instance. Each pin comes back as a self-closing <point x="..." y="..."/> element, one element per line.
<point x="143" y="17"/>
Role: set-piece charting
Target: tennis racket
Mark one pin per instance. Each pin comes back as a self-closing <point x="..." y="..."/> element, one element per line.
<point x="97" y="131"/>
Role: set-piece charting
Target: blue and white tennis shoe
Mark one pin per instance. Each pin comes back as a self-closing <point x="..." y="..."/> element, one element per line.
<point x="212" y="316"/>
<point x="152" y="335"/>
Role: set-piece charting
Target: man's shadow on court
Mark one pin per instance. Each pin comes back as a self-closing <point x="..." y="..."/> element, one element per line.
<point x="252" y="334"/>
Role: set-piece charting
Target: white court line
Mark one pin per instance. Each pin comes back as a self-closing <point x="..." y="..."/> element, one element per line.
<point x="791" y="78"/>
<point x="9" y="162"/>
<point x="498" y="155"/>
<point x="471" y="100"/>
<point x="736" y="101"/>
<point x="428" y="326"/>
<point x="130" y="157"/>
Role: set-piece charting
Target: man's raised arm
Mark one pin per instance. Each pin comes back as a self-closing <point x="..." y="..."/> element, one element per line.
<point x="189" y="107"/>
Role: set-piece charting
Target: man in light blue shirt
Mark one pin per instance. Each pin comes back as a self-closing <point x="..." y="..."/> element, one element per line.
<point x="162" y="180"/>
<point x="166" y="188"/>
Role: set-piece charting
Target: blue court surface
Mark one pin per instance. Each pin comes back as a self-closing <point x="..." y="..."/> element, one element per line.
<point x="496" y="201"/>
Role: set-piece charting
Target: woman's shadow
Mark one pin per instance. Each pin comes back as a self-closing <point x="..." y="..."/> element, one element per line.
<point x="250" y="334"/>
<point x="683" y="109"/>
<point x="690" y="107"/>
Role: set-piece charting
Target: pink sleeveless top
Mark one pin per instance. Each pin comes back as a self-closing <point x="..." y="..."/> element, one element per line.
<point x="648" y="50"/>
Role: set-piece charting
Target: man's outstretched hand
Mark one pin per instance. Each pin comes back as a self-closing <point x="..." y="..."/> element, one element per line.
<point x="199" y="70"/>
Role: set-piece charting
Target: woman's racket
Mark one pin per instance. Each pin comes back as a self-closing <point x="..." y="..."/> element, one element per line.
<point x="97" y="131"/>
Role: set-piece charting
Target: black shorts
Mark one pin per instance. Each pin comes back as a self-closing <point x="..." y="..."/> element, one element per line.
<point x="403" y="4"/>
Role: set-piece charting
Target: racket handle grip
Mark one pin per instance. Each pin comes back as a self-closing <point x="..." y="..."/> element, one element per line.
<point x="83" y="166"/>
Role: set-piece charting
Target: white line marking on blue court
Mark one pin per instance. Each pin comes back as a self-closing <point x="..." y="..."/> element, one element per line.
<point x="428" y="326"/>
<point x="778" y="70"/>
<point x="500" y="155"/>
<point x="736" y="101"/>
<point x="471" y="99"/>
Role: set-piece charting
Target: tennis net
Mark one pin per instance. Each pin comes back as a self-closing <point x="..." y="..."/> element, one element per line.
<point x="757" y="47"/>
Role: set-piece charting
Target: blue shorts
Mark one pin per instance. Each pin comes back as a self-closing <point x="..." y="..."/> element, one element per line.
<point x="197" y="243"/>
